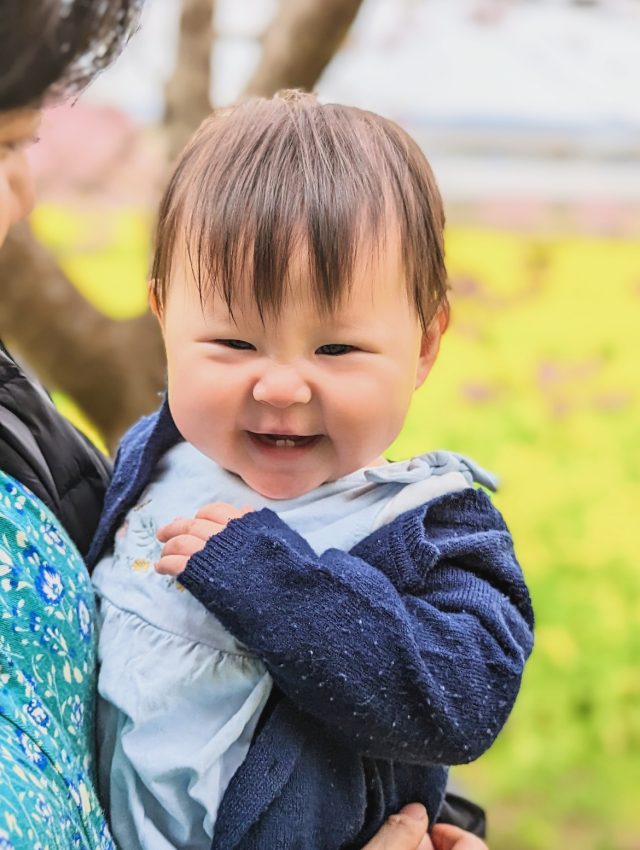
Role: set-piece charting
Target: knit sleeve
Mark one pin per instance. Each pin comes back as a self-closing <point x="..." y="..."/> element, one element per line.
<point x="410" y="647"/>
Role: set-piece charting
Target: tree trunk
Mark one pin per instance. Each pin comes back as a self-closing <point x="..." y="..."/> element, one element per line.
<point x="300" y="42"/>
<point x="113" y="369"/>
<point x="187" y="92"/>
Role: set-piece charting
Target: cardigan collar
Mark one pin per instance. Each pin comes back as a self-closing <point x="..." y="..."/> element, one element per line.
<point x="245" y="800"/>
<point x="140" y="450"/>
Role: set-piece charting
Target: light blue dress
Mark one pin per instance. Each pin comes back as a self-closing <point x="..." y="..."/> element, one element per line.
<point x="179" y="696"/>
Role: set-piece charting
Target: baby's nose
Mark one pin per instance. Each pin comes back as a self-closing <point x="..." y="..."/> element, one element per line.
<point x="281" y="386"/>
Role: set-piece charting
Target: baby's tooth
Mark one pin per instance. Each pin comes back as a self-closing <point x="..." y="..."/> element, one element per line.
<point x="281" y="444"/>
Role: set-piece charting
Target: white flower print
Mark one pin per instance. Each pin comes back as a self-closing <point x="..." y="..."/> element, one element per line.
<point x="44" y="809"/>
<point x="76" y="714"/>
<point x="36" y="711"/>
<point x="5" y="843"/>
<point x="31" y="750"/>
<point x="54" y="639"/>
<point x="52" y="537"/>
<point x="6" y="562"/>
<point x="84" y="620"/>
<point x="47" y="676"/>
<point x="31" y="555"/>
<point x="49" y="584"/>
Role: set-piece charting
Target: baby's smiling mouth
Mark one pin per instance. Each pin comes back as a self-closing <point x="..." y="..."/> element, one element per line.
<point x="284" y="441"/>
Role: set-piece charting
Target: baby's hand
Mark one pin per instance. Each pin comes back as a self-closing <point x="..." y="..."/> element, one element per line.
<point x="184" y="537"/>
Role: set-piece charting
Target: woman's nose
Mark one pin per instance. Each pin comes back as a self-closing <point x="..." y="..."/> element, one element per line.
<point x="281" y="386"/>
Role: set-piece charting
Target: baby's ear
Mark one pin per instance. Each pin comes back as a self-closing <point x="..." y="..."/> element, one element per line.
<point x="154" y="304"/>
<point x="430" y="344"/>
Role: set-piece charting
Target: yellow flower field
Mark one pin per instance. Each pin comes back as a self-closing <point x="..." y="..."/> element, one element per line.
<point x="538" y="381"/>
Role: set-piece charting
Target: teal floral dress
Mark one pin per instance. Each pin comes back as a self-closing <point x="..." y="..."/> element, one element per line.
<point x="47" y="684"/>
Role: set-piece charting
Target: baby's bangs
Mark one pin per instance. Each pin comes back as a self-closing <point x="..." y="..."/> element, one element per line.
<point x="272" y="183"/>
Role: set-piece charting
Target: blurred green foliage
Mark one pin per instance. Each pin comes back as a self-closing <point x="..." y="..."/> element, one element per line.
<point x="538" y="381"/>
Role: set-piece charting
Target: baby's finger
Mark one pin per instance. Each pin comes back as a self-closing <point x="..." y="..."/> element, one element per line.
<point x="171" y="565"/>
<point x="220" y="512"/>
<point x="177" y="526"/>
<point x="184" y="544"/>
<point x="201" y="528"/>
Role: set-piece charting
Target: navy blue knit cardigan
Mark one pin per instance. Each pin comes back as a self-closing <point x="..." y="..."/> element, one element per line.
<point x="390" y="662"/>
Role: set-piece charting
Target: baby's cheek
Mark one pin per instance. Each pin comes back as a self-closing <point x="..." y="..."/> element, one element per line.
<point x="186" y="409"/>
<point x="356" y="419"/>
<point x="373" y="415"/>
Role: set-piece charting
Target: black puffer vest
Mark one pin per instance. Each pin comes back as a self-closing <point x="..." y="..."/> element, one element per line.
<point x="40" y="448"/>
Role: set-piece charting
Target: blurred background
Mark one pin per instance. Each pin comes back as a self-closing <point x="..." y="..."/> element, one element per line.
<point x="530" y="114"/>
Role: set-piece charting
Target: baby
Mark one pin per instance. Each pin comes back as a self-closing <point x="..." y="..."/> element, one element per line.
<point x="352" y="626"/>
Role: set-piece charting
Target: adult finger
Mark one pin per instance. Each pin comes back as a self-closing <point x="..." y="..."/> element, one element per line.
<point x="447" y="837"/>
<point x="405" y="831"/>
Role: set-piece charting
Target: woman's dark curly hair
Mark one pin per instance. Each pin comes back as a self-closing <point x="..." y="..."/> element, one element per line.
<point x="51" y="49"/>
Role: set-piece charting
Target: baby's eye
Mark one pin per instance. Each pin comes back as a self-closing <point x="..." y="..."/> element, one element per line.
<point x="236" y="344"/>
<point x="335" y="349"/>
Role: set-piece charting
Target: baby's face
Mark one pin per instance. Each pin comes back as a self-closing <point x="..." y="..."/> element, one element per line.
<point x="304" y="398"/>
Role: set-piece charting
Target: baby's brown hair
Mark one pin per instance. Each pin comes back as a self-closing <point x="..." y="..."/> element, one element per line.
<point x="262" y="179"/>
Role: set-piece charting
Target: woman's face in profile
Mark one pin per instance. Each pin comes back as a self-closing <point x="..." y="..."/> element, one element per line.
<point x="18" y="129"/>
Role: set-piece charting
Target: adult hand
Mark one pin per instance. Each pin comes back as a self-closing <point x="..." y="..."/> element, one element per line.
<point x="447" y="837"/>
<point x="185" y="536"/>
<point x="408" y="831"/>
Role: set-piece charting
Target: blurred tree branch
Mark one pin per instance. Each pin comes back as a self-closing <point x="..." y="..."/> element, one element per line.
<point x="113" y="370"/>
<point x="187" y="100"/>
<point x="300" y="42"/>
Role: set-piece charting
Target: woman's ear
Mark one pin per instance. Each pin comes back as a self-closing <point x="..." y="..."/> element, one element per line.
<point x="430" y="344"/>
<point x="154" y="304"/>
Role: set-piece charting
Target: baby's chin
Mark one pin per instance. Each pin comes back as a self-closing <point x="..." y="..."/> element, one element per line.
<point x="282" y="489"/>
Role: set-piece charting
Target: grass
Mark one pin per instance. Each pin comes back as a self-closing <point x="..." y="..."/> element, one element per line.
<point x="537" y="380"/>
